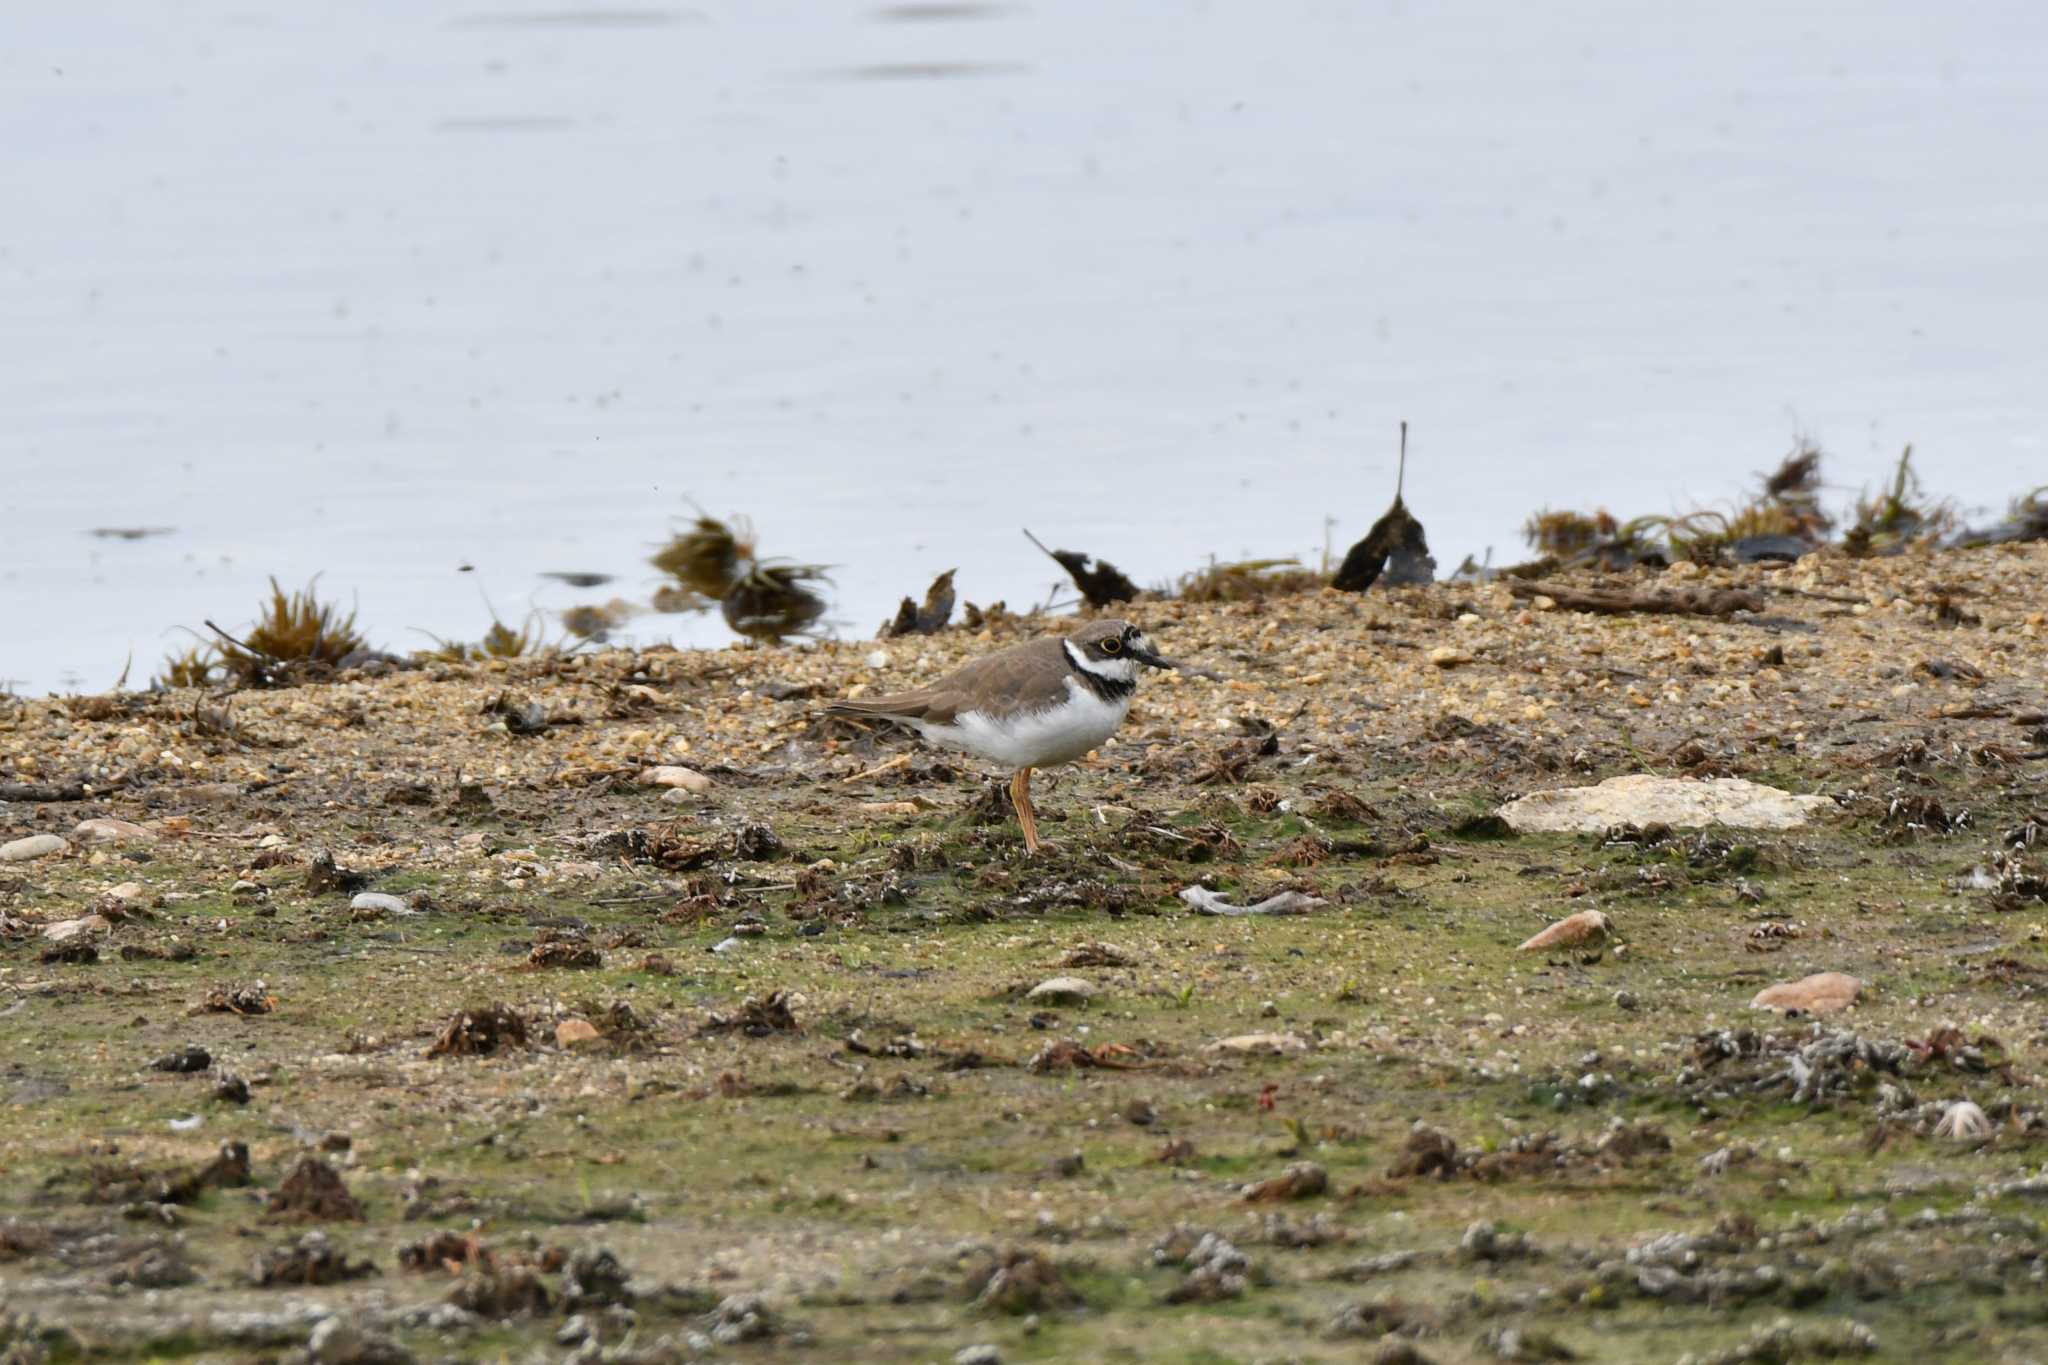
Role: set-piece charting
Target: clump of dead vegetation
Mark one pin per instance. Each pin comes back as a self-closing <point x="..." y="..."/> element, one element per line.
<point x="297" y="637"/>
<point x="1898" y="515"/>
<point x="498" y="642"/>
<point x="1783" y="520"/>
<point x="1248" y="580"/>
<point x="719" y="563"/>
<point x="1395" y="550"/>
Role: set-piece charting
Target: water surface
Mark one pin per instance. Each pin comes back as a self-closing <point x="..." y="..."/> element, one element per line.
<point x="381" y="290"/>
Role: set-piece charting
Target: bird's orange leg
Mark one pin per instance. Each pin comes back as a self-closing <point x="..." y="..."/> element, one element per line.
<point x="1020" y="797"/>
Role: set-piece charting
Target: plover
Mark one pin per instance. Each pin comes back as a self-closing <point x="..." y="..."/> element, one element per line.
<point x="1034" y="705"/>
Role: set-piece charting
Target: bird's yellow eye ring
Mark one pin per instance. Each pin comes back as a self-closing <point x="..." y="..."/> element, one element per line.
<point x="1111" y="646"/>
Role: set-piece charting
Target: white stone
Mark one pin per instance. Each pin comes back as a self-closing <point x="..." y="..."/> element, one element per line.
<point x="85" y="926"/>
<point x="1275" y="1043"/>
<point x="113" y="831"/>
<point x="1682" y="803"/>
<point x="377" y="903"/>
<point x="1062" y="990"/>
<point x="675" y="775"/>
<point x="34" y="846"/>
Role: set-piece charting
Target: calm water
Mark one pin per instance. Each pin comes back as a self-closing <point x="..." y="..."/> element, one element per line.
<point x="383" y="288"/>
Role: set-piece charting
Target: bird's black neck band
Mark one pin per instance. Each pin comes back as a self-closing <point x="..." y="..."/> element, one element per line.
<point x="1111" y="690"/>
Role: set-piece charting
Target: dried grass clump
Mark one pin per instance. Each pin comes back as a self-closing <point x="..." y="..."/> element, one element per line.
<point x="1900" y="514"/>
<point x="714" y="561"/>
<point x="296" y="636"/>
<point x="198" y="666"/>
<point x="499" y="642"/>
<point x="596" y="621"/>
<point x="1248" y="581"/>
<point x="706" y="559"/>
<point x="295" y="628"/>
<point x="772" y="602"/>
<point x="1567" y="535"/>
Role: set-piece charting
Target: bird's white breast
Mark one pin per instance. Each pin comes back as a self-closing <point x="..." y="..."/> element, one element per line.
<point x="1036" y="738"/>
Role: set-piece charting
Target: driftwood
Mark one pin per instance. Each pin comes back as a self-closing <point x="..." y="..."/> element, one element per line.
<point x="1684" y="602"/>
<point x="24" y="791"/>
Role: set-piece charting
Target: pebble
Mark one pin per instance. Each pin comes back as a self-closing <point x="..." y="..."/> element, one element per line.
<point x="1260" y="1042"/>
<point x="878" y="658"/>
<point x="980" y="1354"/>
<point x="370" y="903"/>
<point x="677" y="776"/>
<point x="1821" y="993"/>
<point x="32" y="847"/>
<point x="573" y="1032"/>
<point x="113" y="831"/>
<point x="87" y="926"/>
<point x="1449" y="656"/>
<point x="1062" y="990"/>
<point x="1587" y="924"/>
<point x="1643" y="799"/>
<point x="336" y="1341"/>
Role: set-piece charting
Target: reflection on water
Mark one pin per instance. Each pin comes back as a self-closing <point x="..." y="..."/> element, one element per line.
<point x="927" y="71"/>
<point x="587" y="18"/>
<point x="1157" y="280"/>
<point x="936" y="13"/>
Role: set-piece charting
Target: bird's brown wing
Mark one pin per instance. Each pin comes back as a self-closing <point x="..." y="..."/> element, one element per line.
<point x="998" y="684"/>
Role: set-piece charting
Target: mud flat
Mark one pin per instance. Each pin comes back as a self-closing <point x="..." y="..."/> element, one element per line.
<point x="614" y="1006"/>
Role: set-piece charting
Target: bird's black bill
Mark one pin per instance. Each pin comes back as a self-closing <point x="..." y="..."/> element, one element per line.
<point x="1146" y="657"/>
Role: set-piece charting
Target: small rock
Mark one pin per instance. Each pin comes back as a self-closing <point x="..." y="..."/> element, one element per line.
<point x="1272" y="1043"/>
<point x="1821" y="993"/>
<point x="1449" y="656"/>
<point x="1641" y="799"/>
<point x="676" y="776"/>
<point x="1964" y="1122"/>
<point x="113" y="832"/>
<point x="1624" y="1000"/>
<point x="188" y="1058"/>
<point x="573" y="1032"/>
<point x="1580" y="928"/>
<point x="32" y="847"/>
<point x="1301" y="1180"/>
<point x="373" y="904"/>
<point x="84" y="927"/>
<point x="1062" y="990"/>
<point x="338" y="1342"/>
<point x="981" y="1354"/>
<point x="1485" y="1241"/>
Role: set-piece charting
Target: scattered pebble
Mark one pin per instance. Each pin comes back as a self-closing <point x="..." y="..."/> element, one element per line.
<point x="676" y="776"/>
<point x="113" y="831"/>
<point x="1821" y="993"/>
<point x="1270" y="1043"/>
<point x="84" y="927"/>
<point x="1583" y="927"/>
<point x="1682" y="803"/>
<point x="574" y="1032"/>
<point x="1062" y="990"/>
<point x="32" y="847"/>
